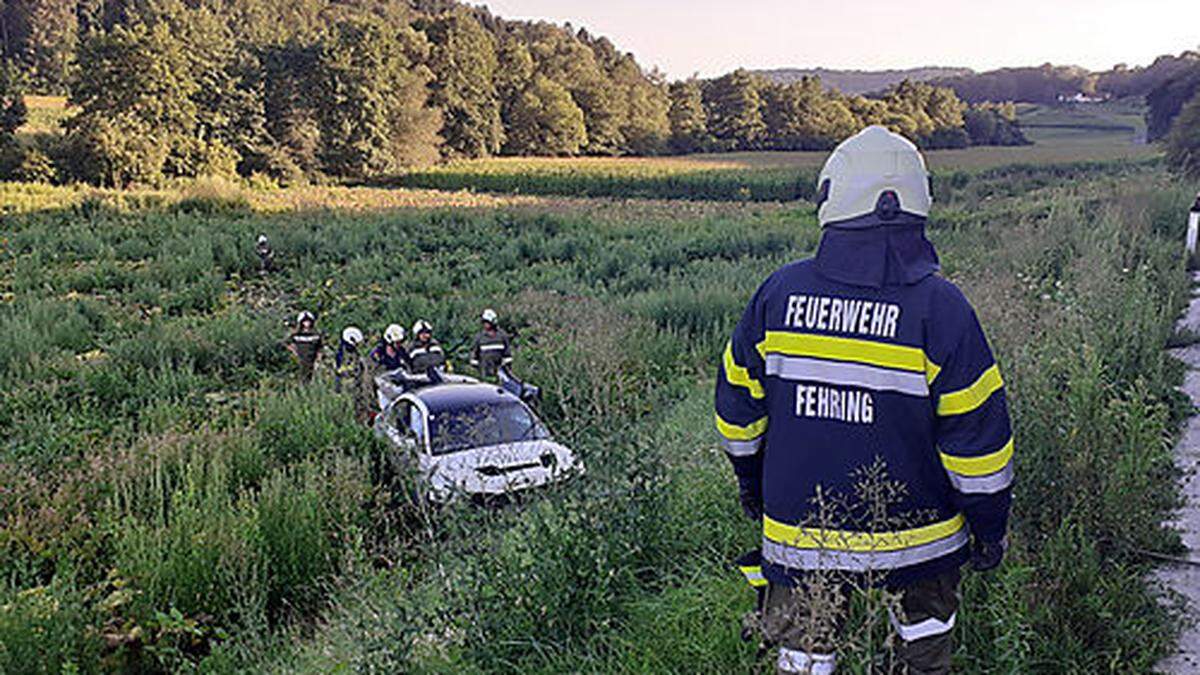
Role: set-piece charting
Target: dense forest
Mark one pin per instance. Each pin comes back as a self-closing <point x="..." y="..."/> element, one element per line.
<point x="365" y="88"/>
<point x="362" y="89"/>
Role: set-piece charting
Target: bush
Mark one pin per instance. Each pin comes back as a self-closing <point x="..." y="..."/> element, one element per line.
<point x="35" y="167"/>
<point x="45" y="629"/>
<point x="1183" y="148"/>
<point x="946" y="139"/>
<point x="213" y="195"/>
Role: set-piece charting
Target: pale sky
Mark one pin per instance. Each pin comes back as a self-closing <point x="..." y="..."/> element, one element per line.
<point x="712" y="37"/>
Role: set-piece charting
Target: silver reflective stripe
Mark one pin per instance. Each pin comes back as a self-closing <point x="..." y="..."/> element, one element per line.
<point x="742" y="448"/>
<point x="491" y="348"/>
<point x="419" y="351"/>
<point x="306" y="338"/>
<point x="847" y="374"/>
<point x="796" y="661"/>
<point x="982" y="485"/>
<point x="860" y="561"/>
<point x="923" y="629"/>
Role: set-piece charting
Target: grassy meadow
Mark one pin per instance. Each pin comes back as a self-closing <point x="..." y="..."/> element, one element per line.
<point x="1062" y="135"/>
<point x="174" y="501"/>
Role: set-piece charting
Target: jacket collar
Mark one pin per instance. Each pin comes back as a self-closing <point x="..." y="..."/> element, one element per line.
<point x="877" y="254"/>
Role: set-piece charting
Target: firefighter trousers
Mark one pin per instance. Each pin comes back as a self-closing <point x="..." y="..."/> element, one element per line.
<point x="805" y="623"/>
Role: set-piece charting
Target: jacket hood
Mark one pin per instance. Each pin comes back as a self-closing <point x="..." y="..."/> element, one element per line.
<point x="869" y="252"/>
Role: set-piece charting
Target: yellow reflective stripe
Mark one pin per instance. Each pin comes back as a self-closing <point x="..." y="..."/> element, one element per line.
<point x="747" y="433"/>
<point x="739" y="376"/>
<point x="932" y="370"/>
<point x="839" y="540"/>
<point x="872" y="353"/>
<point x="985" y="465"/>
<point x="965" y="400"/>
<point x="754" y="576"/>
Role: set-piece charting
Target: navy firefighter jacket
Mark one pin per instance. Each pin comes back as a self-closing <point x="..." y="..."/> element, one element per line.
<point x="860" y="390"/>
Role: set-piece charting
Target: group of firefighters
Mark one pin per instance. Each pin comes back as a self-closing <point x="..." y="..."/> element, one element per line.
<point x="858" y="356"/>
<point x="491" y="350"/>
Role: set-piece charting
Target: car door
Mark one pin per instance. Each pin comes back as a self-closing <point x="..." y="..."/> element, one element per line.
<point x="404" y="427"/>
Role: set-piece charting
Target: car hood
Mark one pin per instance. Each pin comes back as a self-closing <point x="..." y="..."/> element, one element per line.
<point x="507" y="457"/>
<point x="502" y="468"/>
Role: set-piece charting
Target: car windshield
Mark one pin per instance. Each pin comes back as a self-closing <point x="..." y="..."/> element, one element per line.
<point x="483" y="425"/>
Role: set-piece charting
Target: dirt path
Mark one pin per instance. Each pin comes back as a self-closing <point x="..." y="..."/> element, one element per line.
<point x="1185" y="579"/>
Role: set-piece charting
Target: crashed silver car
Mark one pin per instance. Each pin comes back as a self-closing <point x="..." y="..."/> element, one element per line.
<point x="466" y="438"/>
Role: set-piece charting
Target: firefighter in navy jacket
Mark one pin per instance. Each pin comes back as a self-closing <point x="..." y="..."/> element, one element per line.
<point x="865" y="356"/>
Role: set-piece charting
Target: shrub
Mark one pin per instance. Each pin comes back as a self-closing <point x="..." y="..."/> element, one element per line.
<point x="35" y="167"/>
<point x="213" y="195"/>
<point x="46" y="629"/>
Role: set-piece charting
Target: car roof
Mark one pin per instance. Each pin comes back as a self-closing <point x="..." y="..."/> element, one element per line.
<point x="443" y="397"/>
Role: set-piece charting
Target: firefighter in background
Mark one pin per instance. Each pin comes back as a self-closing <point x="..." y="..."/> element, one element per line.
<point x="390" y="353"/>
<point x="352" y="374"/>
<point x="266" y="256"/>
<point x="305" y="344"/>
<point x="859" y="353"/>
<point x="492" y="348"/>
<point x="425" y="352"/>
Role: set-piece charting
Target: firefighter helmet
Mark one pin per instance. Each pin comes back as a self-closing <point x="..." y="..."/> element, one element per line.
<point x="352" y="336"/>
<point x="874" y="171"/>
<point x="422" y="326"/>
<point x="305" y="316"/>
<point x="394" y="334"/>
<point x="489" y="315"/>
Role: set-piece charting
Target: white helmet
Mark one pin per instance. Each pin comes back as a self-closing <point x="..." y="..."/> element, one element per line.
<point x="874" y="171"/>
<point x="262" y="239"/>
<point x="305" y="316"/>
<point x="422" y="326"/>
<point x="352" y="336"/>
<point x="394" y="334"/>
<point x="489" y="315"/>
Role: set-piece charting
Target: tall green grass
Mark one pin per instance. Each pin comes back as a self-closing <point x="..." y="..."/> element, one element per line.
<point x="639" y="179"/>
<point x="683" y="180"/>
<point x="173" y="500"/>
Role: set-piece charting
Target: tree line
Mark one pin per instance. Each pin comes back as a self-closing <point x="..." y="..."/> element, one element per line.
<point x="746" y="111"/>
<point x="358" y="89"/>
<point x="1050" y="84"/>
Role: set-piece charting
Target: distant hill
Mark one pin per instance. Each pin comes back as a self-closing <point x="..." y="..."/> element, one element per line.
<point x="862" y="81"/>
<point x="1049" y="83"/>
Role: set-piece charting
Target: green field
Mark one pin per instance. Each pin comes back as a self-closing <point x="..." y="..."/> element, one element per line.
<point x="1062" y="135"/>
<point x="173" y="500"/>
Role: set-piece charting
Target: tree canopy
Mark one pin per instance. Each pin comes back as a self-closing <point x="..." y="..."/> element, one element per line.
<point x="360" y="89"/>
<point x="1183" y="142"/>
